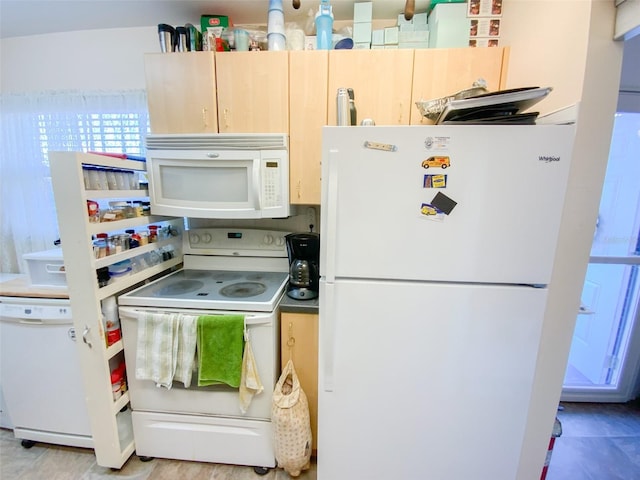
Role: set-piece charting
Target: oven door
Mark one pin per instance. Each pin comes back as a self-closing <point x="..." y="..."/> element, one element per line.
<point x="218" y="400"/>
<point x="219" y="184"/>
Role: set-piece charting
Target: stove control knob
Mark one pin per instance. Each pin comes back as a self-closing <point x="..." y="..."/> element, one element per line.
<point x="206" y="238"/>
<point x="280" y="241"/>
<point x="268" y="239"/>
<point x="194" y="239"/>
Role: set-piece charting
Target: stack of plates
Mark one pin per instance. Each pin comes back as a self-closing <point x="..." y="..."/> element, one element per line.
<point x="502" y="107"/>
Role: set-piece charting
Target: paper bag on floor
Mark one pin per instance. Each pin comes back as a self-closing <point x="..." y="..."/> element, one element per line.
<point x="291" y="423"/>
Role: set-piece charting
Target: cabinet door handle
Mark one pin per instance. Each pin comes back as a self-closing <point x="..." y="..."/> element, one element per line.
<point x="84" y="336"/>
<point x="205" y="118"/>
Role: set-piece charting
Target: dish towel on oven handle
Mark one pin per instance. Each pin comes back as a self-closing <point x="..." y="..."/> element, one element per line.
<point x="250" y="383"/>
<point x="219" y="346"/>
<point x="186" y="356"/>
<point x="157" y="348"/>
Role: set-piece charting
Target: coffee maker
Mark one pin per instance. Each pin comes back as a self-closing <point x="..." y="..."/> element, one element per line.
<point x="303" y="250"/>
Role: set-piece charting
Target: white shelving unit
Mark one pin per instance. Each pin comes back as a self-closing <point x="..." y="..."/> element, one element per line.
<point x="111" y="426"/>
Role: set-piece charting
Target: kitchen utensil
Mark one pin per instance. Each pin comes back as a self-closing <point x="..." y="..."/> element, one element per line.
<point x="180" y="39"/>
<point x="409" y="9"/>
<point x="165" y="35"/>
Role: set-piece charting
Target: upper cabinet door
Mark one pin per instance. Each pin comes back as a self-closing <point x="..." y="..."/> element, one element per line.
<point x="441" y="72"/>
<point x="181" y="92"/>
<point x="381" y="81"/>
<point x="308" y="114"/>
<point x="253" y="92"/>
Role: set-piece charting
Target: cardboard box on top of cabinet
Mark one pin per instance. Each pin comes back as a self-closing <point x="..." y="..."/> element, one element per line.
<point x="362" y="12"/>
<point x="213" y="27"/>
<point x="448" y="26"/>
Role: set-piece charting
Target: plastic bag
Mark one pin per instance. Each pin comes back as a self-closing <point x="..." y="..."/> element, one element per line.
<point x="291" y="423"/>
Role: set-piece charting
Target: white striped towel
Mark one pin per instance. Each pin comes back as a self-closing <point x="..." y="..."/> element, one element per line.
<point x="250" y="383"/>
<point x="157" y="348"/>
<point x="187" y="336"/>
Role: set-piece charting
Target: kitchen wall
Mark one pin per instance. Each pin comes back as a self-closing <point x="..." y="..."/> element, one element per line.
<point x="568" y="46"/>
<point x="565" y="44"/>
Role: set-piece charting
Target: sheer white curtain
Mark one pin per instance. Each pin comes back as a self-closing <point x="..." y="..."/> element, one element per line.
<point x="33" y="124"/>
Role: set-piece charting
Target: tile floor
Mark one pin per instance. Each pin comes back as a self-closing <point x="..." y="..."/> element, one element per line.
<point x="53" y="462"/>
<point x="598" y="442"/>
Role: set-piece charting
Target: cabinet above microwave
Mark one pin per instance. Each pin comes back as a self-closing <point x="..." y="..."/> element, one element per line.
<point x="226" y="176"/>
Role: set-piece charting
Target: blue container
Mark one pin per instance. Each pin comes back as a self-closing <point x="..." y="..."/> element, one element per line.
<point x="324" y="26"/>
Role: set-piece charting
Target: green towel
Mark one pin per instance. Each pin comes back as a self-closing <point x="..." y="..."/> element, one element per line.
<point x="220" y="342"/>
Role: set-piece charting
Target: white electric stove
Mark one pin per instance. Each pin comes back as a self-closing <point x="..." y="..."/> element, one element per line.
<point x="241" y="271"/>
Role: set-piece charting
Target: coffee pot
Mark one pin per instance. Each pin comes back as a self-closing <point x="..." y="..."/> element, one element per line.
<point x="303" y="250"/>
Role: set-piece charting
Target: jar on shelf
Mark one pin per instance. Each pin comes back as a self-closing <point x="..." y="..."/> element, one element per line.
<point x="97" y="178"/>
<point x="93" y="210"/>
<point x="137" y="208"/>
<point x="122" y="209"/>
<point x="86" y="177"/>
<point x="134" y="181"/>
<point x="134" y="238"/>
<point x="121" y="180"/>
<point x="119" y="243"/>
<point x="144" y="238"/>
<point x="112" y="181"/>
<point x="146" y="208"/>
<point x="153" y="233"/>
<point x="101" y="245"/>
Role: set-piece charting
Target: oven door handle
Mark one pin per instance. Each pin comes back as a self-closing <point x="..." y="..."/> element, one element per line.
<point x="251" y="320"/>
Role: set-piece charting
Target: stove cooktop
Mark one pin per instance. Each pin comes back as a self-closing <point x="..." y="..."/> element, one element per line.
<point x="211" y="290"/>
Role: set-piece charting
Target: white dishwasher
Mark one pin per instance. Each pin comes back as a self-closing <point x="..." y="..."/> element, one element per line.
<point x="40" y="372"/>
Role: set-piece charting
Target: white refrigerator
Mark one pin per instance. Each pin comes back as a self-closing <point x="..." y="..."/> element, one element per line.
<point x="437" y="247"/>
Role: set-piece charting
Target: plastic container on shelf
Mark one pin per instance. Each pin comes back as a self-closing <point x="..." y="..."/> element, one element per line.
<point x="324" y="26"/>
<point x="118" y="384"/>
<point x="120" y="269"/>
<point x="276" y="39"/>
<point x="111" y="320"/>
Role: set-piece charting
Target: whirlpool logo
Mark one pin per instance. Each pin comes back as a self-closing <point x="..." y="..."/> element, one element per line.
<point x="548" y="159"/>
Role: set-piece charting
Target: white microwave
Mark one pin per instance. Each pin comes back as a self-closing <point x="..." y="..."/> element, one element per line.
<point x="218" y="175"/>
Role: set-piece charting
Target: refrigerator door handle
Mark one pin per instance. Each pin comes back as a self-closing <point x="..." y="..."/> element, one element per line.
<point x="328" y="336"/>
<point x="331" y="217"/>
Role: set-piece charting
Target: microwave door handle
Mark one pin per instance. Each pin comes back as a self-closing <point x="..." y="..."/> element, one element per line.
<point x="257" y="183"/>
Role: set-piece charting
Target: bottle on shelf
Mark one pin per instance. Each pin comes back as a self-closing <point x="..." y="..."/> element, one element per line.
<point x="324" y="26"/>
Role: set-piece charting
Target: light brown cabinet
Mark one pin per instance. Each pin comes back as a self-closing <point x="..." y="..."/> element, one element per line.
<point x="181" y="92"/>
<point x="441" y="72"/>
<point x="253" y="92"/>
<point x="308" y="77"/>
<point x="299" y="341"/>
<point x="381" y="81"/>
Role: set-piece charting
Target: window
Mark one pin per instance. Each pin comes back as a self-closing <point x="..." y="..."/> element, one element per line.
<point x="35" y="124"/>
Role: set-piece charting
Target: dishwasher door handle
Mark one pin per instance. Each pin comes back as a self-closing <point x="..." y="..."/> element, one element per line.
<point x="84" y="336"/>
